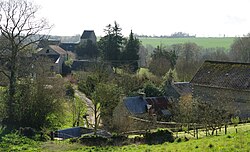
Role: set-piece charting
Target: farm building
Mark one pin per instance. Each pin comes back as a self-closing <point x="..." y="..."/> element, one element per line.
<point x="88" y="35"/>
<point x="130" y="110"/>
<point x="229" y="81"/>
<point x="57" y="55"/>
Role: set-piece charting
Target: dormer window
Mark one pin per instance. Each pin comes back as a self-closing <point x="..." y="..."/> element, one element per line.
<point x="47" y="51"/>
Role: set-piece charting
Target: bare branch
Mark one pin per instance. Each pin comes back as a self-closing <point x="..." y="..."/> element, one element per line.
<point x="3" y="72"/>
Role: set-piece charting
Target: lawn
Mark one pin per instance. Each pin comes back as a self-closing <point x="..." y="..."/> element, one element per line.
<point x="225" y="42"/>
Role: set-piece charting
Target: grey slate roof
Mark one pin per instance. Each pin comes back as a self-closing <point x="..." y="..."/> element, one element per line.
<point x="135" y="105"/>
<point x="231" y="75"/>
<point x="69" y="46"/>
<point x="86" y="34"/>
<point x="138" y="105"/>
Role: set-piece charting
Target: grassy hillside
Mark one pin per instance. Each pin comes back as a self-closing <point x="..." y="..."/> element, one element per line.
<point x="204" y="42"/>
<point x="226" y="143"/>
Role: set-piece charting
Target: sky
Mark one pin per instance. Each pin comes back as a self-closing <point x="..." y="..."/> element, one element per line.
<point x="203" y="18"/>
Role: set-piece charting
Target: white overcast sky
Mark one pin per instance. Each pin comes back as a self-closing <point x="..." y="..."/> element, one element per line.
<point x="149" y="17"/>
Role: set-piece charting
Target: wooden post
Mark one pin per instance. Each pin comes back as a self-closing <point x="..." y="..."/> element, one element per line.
<point x="197" y="134"/>
<point x="194" y="128"/>
<point x="225" y="129"/>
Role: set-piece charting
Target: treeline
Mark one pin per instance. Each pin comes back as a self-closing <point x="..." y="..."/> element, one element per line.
<point x="185" y="59"/>
<point x="174" y="35"/>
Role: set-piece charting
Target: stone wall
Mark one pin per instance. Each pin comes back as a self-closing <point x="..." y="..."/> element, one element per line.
<point x="238" y="98"/>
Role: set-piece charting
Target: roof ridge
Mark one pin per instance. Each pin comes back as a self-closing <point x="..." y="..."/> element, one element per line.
<point x="227" y="62"/>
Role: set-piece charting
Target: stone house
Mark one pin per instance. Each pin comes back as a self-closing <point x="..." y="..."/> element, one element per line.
<point x="57" y="55"/>
<point x="130" y="111"/>
<point x="230" y="81"/>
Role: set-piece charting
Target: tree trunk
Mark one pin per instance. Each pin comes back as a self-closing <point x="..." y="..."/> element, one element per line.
<point x="11" y="93"/>
<point x="96" y="119"/>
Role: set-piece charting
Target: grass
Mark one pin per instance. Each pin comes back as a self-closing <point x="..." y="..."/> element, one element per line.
<point x="227" y="143"/>
<point x="225" y="42"/>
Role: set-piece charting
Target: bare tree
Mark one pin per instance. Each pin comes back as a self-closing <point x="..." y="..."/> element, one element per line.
<point x="18" y="27"/>
<point x="240" y="49"/>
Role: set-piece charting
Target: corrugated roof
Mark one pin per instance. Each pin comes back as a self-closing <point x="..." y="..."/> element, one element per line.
<point x="58" y="49"/>
<point x="86" y="34"/>
<point x="231" y="75"/>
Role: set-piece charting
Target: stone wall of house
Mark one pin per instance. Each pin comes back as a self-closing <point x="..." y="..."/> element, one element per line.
<point x="240" y="99"/>
<point x="123" y="120"/>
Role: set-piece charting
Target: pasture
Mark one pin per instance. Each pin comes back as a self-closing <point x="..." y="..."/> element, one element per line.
<point x="211" y="42"/>
<point x="229" y="142"/>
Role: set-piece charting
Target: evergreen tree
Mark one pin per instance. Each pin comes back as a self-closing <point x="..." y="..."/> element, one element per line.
<point x="111" y="44"/>
<point x="130" y="54"/>
<point x="88" y="50"/>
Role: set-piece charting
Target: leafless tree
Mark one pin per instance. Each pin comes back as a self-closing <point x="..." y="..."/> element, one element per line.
<point x="19" y="26"/>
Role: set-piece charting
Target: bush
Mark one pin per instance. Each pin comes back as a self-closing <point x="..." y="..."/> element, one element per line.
<point x="14" y="142"/>
<point x="118" y="140"/>
<point x="178" y="140"/>
<point x="152" y="90"/>
<point x="70" y="90"/>
<point x="27" y="132"/>
<point x="159" y="137"/>
<point x="91" y="140"/>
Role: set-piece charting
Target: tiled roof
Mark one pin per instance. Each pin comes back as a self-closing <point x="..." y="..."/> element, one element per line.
<point x="58" y="49"/>
<point x="86" y="34"/>
<point x="159" y="104"/>
<point x="231" y="75"/>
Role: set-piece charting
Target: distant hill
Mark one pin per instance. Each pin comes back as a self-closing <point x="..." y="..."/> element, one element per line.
<point x="211" y="42"/>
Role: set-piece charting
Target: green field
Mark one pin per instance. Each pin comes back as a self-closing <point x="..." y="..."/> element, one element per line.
<point x="231" y="142"/>
<point x="201" y="41"/>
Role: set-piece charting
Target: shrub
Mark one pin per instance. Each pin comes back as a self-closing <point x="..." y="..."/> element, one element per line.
<point x="27" y="132"/>
<point x="15" y="142"/>
<point x="118" y="140"/>
<point x="159" y="137"/>
<point x="70" y="90"/>
<point x="152" y="90"/>
<point x="91" y="140"/>
<point x="178" y="140"/>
